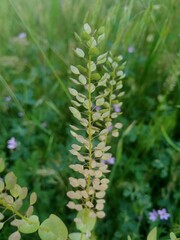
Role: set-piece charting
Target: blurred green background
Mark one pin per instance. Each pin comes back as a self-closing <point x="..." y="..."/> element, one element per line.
<point x="36" y="50"/>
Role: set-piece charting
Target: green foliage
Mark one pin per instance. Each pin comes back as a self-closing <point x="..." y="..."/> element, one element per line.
<point x="34" y="102"/>
<point x="30" y="225"/>
<point x="53" y="229"/>
<point x="153" y="234"/>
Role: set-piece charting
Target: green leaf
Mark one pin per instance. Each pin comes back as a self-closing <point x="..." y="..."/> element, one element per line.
<point x="53" y="228"/>
<point x="33" y="198"/>
<point x="95" y="76"/>
<point x="94" y="51"/>
<point x="2" y="165"/>
<point x="80" y="52"/>
<point x="29" y="226"/>
<point x="77" y="236"/>
<point x="1" y="185"/>
<point x="129" y="238"/>
<point x="1" y="225"/>
<point x="87" y="222"/>
<point x="173" y="236"/>
<point x="10" y="180"/>
<point x="153" y="234"/>
<point x="15" y="236"/>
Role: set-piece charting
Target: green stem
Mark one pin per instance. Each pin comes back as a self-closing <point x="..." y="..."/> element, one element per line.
<point x="14" y="211"/>
<point x="89" y="124"/>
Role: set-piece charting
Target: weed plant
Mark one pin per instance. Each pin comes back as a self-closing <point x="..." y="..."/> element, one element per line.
<point x="35" y="55"/>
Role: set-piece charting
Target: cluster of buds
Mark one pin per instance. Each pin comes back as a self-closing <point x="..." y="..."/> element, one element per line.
<point x="95" y="105"/>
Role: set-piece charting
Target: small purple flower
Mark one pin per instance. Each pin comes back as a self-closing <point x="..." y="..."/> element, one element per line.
<point x="22" y="35"/>
<point x="131" y="49"/>
<point x="110" y="128"/>
<point x="153" y="215"/>
<point x="116" y="108"/>
<point x="11" y="144"/>
<point x="163" y="214"/>
<point x="97" y="108"/>
<point x="110" y="161"/>
<point x="8" y="99"/>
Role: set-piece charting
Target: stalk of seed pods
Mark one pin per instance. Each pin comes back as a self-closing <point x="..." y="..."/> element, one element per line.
<point x="99" y="78"/>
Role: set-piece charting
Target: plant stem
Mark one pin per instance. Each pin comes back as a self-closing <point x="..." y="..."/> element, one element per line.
<point x="89" y="125"/>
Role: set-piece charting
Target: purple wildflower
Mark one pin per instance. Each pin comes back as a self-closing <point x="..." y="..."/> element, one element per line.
<point x="163" y="214"/>
<point x="110" y="128"/>
<point x="153" y="215"/>
<point x="131" y="49"/>
<point x="8" y="99"/>
<point x="11" y="144"/>
<point x="116" y="108"/>
<point x="22" y="35"/>
<point x="110" y="161"/>
<point x="97" y="108"/>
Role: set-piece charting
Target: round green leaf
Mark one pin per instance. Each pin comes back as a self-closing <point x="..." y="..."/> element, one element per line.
<point x="153" y="234"/>
<point x="29" y="226"/>
<point x="77" y="236"/>
<point x="87" y="223"/>
<point x="53" y="228"/>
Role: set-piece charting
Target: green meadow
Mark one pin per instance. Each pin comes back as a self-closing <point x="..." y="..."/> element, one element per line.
<point x="37" y="45"/>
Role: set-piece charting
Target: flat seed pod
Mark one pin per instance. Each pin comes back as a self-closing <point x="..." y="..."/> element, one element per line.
<point x="76" y="147"/>
<point x="101" y="38"/>
<point x="87" y="28"/>
<point x="82" y="79"/>
<point x="100" y="102"/>
<point x="75" y="112"/>
<point x="75" y="103"/>
<point x="89" y="204"/>
<point x="74" y="70"/>
<point x="80" y="52"/>
<point x="78" y="207"/>
<point x="91" y="66"/>
<point x="73" y="92"/>
<point x="82" y="182"/>
<point x="118" y="125"/>
<point x="115" y="133"/>
<point x="98" y="153"/>
<point x="100" y="214"/>
<point x="100" y="194"/>
<point x="96" y="116"/>
<point x="102" y="58"/>
<point x="99" y="206"/>
<point x="71" y="205"/>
